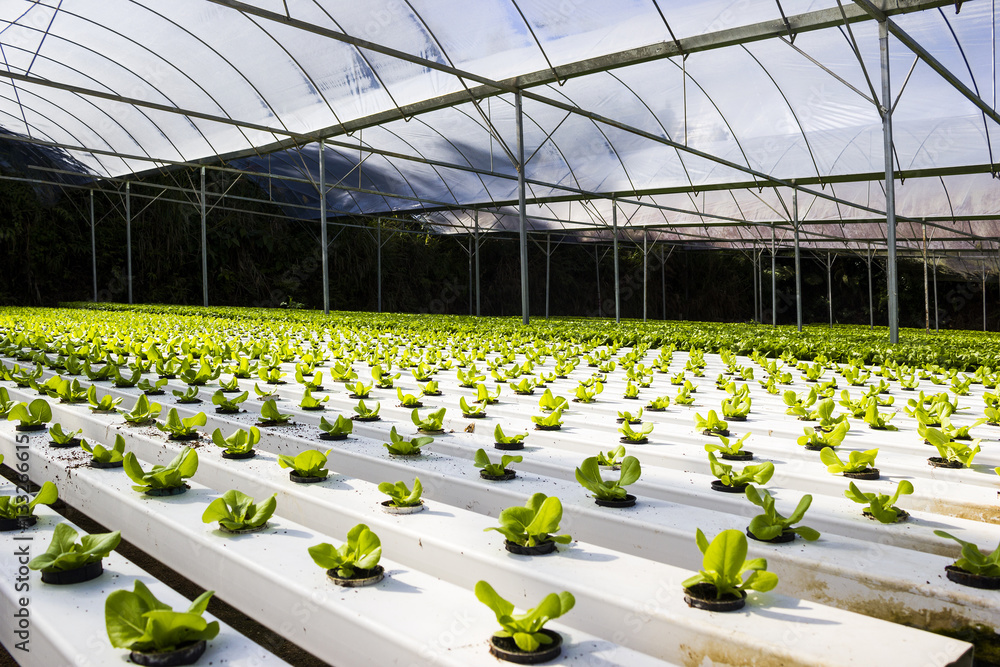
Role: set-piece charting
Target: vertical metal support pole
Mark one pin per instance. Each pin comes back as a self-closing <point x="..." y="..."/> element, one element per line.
<point x="519" y="117"/>
<point x="378" y="260"/>
<point x="478" y="299"/>
<point x="756" y="303"/>
<point x="663" y="282"/>
<point x="614" y="223"/>
<point x="760" y="287"/>
<point x="470" y="276"/>
<point x="128" y="237"/>
<point x="774" y="282"/>
<point x="871" y="300"/>
<point x="322" y="229"/>
<point x="597" y="265"/>
<point x="204" y="243"/>
<point x="984" y="295"/>
<point x="798" y="261"/>
<point x="890" y="184"/>
<point x="93" y="243"/>
<point x="829" y="285"/>
<point x="927" y="299"/>
<point x="936" y="312"/>
<point x="645" y="275"/>
<point x="548" y="270"/>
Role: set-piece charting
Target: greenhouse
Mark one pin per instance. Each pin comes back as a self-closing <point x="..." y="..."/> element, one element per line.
<point x="412" y="332"/>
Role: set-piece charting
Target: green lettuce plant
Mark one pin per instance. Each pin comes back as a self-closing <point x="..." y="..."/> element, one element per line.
<point x="402" y="496"/>
<point x="408" y="400"/>
<point x="271" y="416"/>
<point x="880" y="506"/>
<point x="635" y="436"/>
<point x="31" y="415"/>
<point x="60" y="438"/>
<point x="856" y="461"/>
<point x="102" y="454"/>
<point x="359" y="389"/>
<point x="758" y="473"/>
<point x="399" y="446"/>
<point x="18" y="506"/>
<point x="229" y="405"/>
<point x="624" y="416"/>
<point x="724" y="566"/>
<point x="815" y="438"/>
<point x="533" y="523"/>
<point x="525" y="629"/>
<point x="232" y="386"/>
<point x="501" y="438"/>
<point x="684" y="396"/>
<point x="730" y="448"/>
<point x="67" y="391"/>
<point x="264" y="394"/>
<point x="771" y="524"/>
<point x="143" y="412"/>
<point x="382" y="379"/>
<point x="711" y="423"/>
<point x="549" y="421"/>
<point x="362" y="411"/>
<point x="951" y="450"/>
<point x="485" y="396"/>
<point x="550" y="402"/>
<point x="307" y="463"/>
<point x="137" y="621"/>
<point x="659" y="403"/>
<point x="589" y="477"/>
<point x="170" y="476"/>
<point x="190" y="395"/>
<point x="973" y="560"/>
<point x="310" y="402"/>
<point x="611" y="458"/>
<point x="65" y="553"/>
<point x="471" y="410"/>
<point x="879" y="420"/>
<point x="235" y="510"/>
<point x="431" y="423"/>
<point x="340" y="428"/>
<point x="585" y="394"/>
<point x="177" y="428"/>
<point x="240" y="442"/>
<point x="361" y="552"/>
<point x="482" y="461"/>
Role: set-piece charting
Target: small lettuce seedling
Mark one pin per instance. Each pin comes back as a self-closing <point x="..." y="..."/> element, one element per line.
<point x="758" y="473"/>
<point x="485" y="396"/>
<point x="684" y="396"/>
<point x="235" y="510"/>
<point x="951" y="450"/>
<point x="342" y="372"/>
<point x="271" y="374"/>
<point x="31" y="415"/>
<point x="973" y="560"/>
<point x="231" y="405"/>
<point x="799" y="406"/>
<point x="190" y="395"/>
<point x="307" y="463"/>
<point x="240" y="442"/>
<point x="611" y="458"/>
<point x="856" y="461"/>
<point x="482" y="460"/>
<point x="470" y="378"/>
<point x="362" y="411"/>
<point x="770" y="524"/>
<point x="362" y="551"/>
<point x="310" y="402"/>
<point x="534" y="523"/>
<point x="736" y="407"/>
<point x="139" y="622"/>
<point x="525" y="387"/>
<point x="232" y="386"/>
<point x="550" y="402"/>
<point x="400" y="495"/>
<point x="408" y="400"/>
<point x="633" y="436"/>
<point x="68" y="391"/>
<point x="196" y="378"/>
<point x="170" y="476"/>
<point x="628" y="417"/>
<point x="177" y="428"/>
<point x="340" y="428"/>
<point x="880" y="506"/>
<point x="359" y="389"/>
<point x="589" y="477"/>
<point x="65" y="553"/>
<point x="711" y="423"/>
<point x="824" y="413"/>
<point x="500" y="438"/>
<point x="102" y="454"/>
<point x="432" y="423"/>
<point x="631" y="390"/>
<point x="878" y="420"/>
<point x="382" y="379"/>
<point x="18" y="506"/>
<point x="726" y="447"/>
<point x="63" y="439"/>
<point x="270" y="416"/>
<point x="471" y="410"/>
<point x="588" y="394"/>
<point x="815" y="438"/>
<point x="315" y="383"/>
<point x="142" y="412"/>
<point x="264" y="394"/>
<point x="725" y="564"/>
<point x="525" y="629"/>
<point x="549" y="421"/>
<point x="659" y="403"/>
<point x="400" y="446"/>
<point x="126" y="381"/>
<point x="430" y="389"/>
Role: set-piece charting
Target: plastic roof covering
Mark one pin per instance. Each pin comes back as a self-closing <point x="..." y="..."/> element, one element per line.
<point x="105" y="80"/>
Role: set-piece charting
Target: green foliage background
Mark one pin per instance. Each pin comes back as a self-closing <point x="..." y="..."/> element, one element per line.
<point x="257" y="259"/>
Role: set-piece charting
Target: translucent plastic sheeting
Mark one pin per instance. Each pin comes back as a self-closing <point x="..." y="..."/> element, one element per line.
<point x="131" y="85"/>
